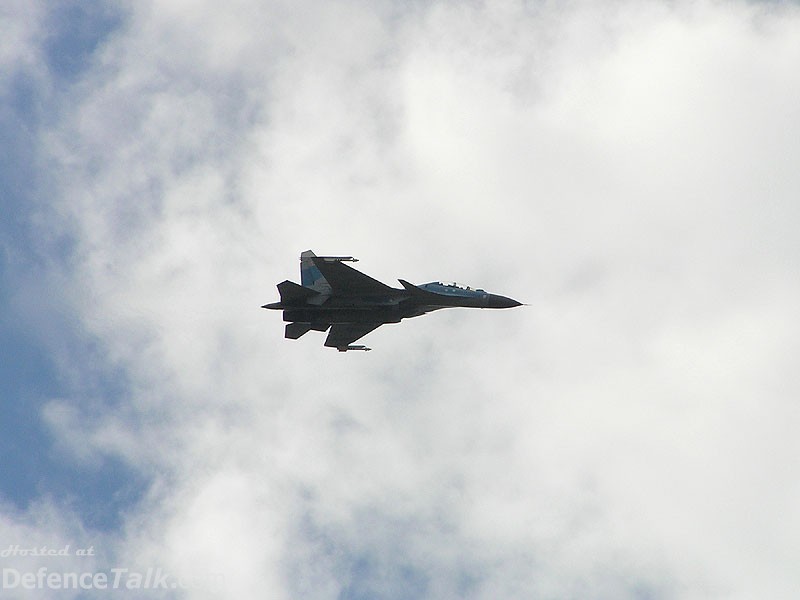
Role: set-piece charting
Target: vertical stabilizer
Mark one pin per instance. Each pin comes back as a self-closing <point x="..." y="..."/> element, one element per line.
<point x="311" y="276"/>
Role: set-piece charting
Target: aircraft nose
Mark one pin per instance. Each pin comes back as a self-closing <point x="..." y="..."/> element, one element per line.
<point x="495" y="301"/>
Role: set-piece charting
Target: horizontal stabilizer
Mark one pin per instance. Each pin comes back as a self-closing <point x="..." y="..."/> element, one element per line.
<point x="291" y="292"/>
<point x="295" y="330"/>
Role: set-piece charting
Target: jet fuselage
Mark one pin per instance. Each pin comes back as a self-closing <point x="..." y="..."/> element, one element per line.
<point x="353" y="304"/>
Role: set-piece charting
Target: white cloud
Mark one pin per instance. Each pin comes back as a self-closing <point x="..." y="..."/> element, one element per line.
<point x="627" y="170"/>
<point x="21" y="36"/>
<point x="28" y="539"/>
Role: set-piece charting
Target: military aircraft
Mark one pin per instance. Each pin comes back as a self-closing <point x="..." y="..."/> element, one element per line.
<point x="337" y="296"/>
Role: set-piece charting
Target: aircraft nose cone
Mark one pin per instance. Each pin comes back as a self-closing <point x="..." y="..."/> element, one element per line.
<point x="496" y="301"/>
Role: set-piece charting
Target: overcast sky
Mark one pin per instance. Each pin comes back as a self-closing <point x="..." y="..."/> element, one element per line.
<point x="628" y="169"/>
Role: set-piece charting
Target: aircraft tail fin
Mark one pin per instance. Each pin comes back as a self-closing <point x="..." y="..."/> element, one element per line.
<point x="291" y="292"/>
<point x="311" y="276"/>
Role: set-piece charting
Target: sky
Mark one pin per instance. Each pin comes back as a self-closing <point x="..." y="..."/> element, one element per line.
<point x="626" y="169"/>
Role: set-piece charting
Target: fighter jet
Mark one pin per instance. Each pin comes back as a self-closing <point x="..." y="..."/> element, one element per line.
<point x="336" y="296"/>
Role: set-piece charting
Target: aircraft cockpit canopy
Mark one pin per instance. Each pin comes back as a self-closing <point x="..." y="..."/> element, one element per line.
<point x="453" y="284"/>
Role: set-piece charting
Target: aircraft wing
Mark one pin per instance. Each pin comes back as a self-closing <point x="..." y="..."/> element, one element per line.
<point x="347" y="281"/>
<point x="342" y="335"/>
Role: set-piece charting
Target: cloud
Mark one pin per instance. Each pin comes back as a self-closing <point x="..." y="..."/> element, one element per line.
<point x="627" y="170"/>
<point x="46" y="527"/>
<point x="22" y="36"/>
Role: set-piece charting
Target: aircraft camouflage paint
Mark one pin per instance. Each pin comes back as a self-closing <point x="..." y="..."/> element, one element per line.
<point x="352" y="304"/>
